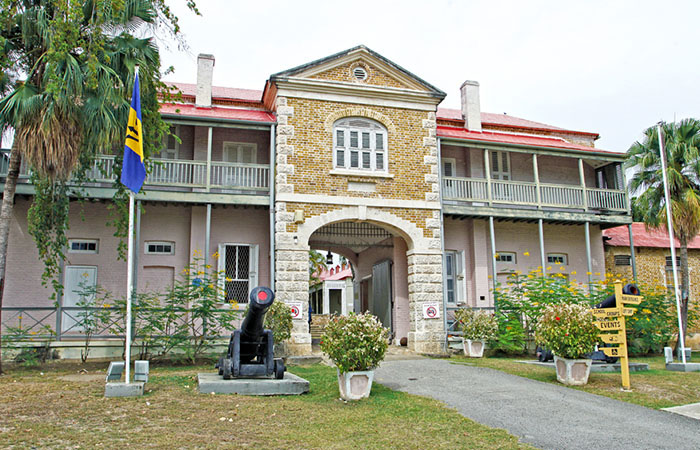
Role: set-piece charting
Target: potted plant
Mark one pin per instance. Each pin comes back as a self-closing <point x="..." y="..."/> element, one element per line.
<point x="568" y="330"/>
<point x="477" y="328"/>
<point x="356" y="343"/>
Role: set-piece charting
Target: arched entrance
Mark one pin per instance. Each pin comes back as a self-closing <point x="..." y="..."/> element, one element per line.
<point x="380" y="277"/>
<point x="409" y="256"/>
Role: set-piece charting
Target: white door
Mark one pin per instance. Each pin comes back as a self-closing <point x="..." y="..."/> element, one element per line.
<point x="77" y="280"/>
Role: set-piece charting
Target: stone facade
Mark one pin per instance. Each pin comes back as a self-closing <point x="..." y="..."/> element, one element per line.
<point x="404" y="199"/>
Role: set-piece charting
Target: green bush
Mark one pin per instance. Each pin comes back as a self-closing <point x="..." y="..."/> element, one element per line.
<point x="278" y="318"/>
<point x="568" y="330"/>
<point x="476" y="325"/>
<point x="355" y="342"/>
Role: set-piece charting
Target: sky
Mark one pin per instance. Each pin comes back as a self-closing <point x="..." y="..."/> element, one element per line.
<point x="610" y="67"/>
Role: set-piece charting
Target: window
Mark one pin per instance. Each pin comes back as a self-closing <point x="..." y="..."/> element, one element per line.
<point x="500" y="165"/>
<point x="159" y="248"/>
<point x="239" y="263"/>
<point x="557" y="258"/>
<point x="171" y="144"/>
<point x="506" y="257"/>
<point x="669" y="265"/>
<point x="448" y="167"/>
<point x="454" y="276"/>
<point x="359" y="144"/>
<point x="83" y="246"/>
<point x="623" y="260"/>
<point x="240" y="152"/>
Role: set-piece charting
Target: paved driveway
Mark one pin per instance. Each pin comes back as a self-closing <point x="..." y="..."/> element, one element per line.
<point x="541" y="414"/>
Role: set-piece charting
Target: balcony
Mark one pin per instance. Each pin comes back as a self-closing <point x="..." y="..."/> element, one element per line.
<point x="182" y="174"/>
<point x="534" y="195"/>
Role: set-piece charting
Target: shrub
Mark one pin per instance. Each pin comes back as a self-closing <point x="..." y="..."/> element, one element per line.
<point x="279" y="319"/>
<point x="476" y="325"/>
<point x="355" y="342"/>
<point x="567" y="329"/>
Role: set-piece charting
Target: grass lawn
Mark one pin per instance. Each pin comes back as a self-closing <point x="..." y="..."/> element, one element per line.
<point x="58" y="406"/>
<point x="655" y="388"/>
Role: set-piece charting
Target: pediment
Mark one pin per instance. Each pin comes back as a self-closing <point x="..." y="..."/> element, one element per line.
<point x="361" y="66"/>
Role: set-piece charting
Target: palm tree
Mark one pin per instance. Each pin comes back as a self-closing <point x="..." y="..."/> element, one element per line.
<point x="682" y="144"/>
<point x="317" y="264"/>
<point x="68" y="68"/>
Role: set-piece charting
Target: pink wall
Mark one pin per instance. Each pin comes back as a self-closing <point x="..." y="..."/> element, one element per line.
<point x="401" y="313"/>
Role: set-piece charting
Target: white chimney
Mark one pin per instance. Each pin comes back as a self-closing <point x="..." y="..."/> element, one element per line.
<point x="205" y="73"/>
<point x="471" y="107"/>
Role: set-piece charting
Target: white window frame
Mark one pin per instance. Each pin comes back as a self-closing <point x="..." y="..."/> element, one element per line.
<point x="229" y="146"/>
<point x="452" y="162"/>
<point x="344" y="125"/>
<point x="511" y="254"/>
<point x="563" y="256"/>
<point x="169" y="152"/>
<point x="253" y="267"/>
<point x="84" y="241"/>
<point x="459" y="277"/>
<point x="146" y="251"/>
<point x="496" y="159"/>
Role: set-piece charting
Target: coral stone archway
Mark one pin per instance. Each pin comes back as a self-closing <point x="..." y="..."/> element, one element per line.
<point x="424" y="273"/>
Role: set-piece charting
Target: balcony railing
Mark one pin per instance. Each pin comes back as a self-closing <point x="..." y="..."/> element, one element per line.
<point x="179" y="173"/>
<point x="532" y="194"/>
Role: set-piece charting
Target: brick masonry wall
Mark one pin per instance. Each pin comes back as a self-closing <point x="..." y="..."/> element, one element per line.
<point x="375" y="76"/>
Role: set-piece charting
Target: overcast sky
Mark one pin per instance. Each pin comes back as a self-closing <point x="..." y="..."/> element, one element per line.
<point x="611" y="67"/>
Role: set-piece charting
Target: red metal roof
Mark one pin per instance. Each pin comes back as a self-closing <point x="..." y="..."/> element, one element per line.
<point x="619" y="237"/>
<point x="216" y="112"/>
<point x="514" y="139"/>
<point x="218" y="92"/>
<point x="504" y="120"/>
<point x="339" y="273"/>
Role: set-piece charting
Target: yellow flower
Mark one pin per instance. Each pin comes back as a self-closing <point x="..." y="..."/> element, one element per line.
<point x="229" y="279"/>
<point x="496" y="255"/>
<point x="211" y="286"/>
<point x="557" y="262"/>
<point x="588" y="273"/>
<point x="549" y="267"/>
<point x="207" y="266"/>
<point x="573" y="272"/>
<point x="526" y="253"/>
<point x="215" y="255"/>
<point x="597" y="274"/>
<point x="561" y="268"/>
<point x="535" y="303"/>
<point x="551" y="291"/>
<point x="105" y="305"/>
<point x="646" y="311"/>
<point x="201" y="272"/>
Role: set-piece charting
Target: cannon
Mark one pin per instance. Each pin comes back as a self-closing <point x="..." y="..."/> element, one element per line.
<point x="250" y="350"/>
<point x="610" y="301"/>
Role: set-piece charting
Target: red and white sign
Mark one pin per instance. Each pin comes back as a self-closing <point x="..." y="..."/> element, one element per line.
<point x="297" y="308"/>
<point x="431" y="310"/>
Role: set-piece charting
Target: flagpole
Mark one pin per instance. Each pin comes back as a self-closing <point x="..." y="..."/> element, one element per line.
<point x="681" y="333"/>
<point x="129" y="288"/>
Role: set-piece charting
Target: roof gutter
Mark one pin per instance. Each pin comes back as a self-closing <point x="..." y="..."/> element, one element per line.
<point x="606" y="155"/>
<point x="200" y="120"/>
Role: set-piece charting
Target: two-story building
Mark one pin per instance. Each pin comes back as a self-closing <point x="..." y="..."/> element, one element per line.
<point x="349" y="154"/>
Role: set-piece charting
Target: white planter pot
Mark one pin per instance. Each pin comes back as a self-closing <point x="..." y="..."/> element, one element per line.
<point x="355" y="385"/>
<point x="473" y="349"/>
<point x="573" y="372"/>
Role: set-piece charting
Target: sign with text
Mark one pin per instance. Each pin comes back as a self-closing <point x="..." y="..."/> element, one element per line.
<point x="634" y="299"/>
<point x="297" y="308"/>
<point x="606" y="312"/>
<point x="606" y="325"/>
<point x="628" y="311"/>
<point x="431" y="310"/>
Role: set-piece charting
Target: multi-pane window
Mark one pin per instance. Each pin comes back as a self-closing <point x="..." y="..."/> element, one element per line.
<point x="506" y="257"/>
<point x="159" y="248"/>
<point x="83" y="246"/>
<point x="359" y="144"/>
<point x="557" y="258"/>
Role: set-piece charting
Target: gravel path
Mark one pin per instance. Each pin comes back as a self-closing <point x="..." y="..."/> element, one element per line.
<point x="541" y="414"/>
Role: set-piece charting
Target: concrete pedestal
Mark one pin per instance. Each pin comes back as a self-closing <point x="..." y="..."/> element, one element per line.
<point x="123" y="389"/>
<point x="680" y="367"/>
<point x="214" y="383"/>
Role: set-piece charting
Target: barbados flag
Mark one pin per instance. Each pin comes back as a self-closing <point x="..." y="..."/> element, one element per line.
<point x="133" y="170"/>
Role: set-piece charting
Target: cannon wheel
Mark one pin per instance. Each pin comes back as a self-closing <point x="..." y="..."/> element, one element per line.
<point x="220" y="366"/>
<point x="543" y="355"/>
<point x="279" y="369"/>
<point x="227" y="368"/>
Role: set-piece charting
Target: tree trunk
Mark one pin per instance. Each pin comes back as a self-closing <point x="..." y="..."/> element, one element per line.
<point x="8" y="200"/>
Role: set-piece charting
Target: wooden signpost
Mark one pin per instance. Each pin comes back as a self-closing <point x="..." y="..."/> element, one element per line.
<point x="613" y="320"/>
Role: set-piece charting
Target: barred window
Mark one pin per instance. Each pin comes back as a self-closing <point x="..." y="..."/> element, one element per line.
<point x="557" y="258"/>
<point x="359" y="144"/>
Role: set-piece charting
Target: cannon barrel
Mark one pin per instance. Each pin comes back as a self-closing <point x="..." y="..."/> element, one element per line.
<point x="611" y="302"/>
<point x="261" y="298"/>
